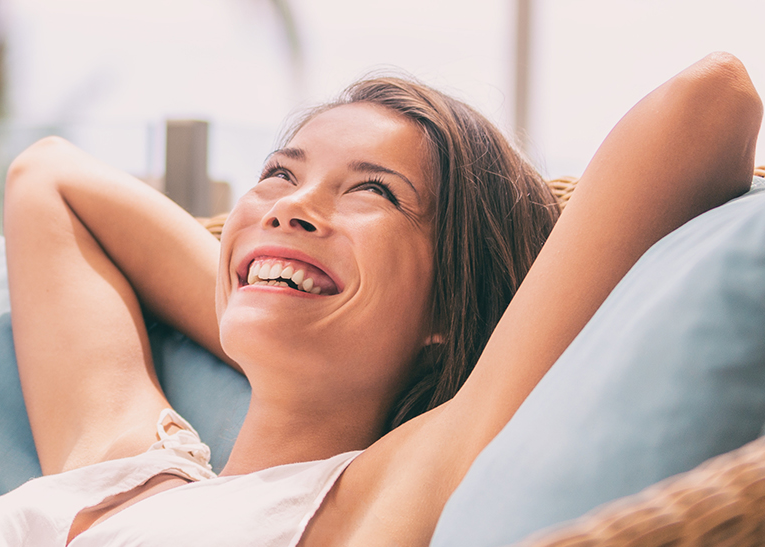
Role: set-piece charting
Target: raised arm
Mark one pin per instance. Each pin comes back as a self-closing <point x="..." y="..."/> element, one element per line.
<point x="85" y="242"/>
<point x="168" y="258"/>
<point x="685" y="148"/>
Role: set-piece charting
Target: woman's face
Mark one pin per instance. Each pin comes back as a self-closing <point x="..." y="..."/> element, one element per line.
<point x="327" y="263"/>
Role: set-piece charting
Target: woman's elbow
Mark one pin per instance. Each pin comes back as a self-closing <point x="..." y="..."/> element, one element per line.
<point x="34" y="170"/>
<point x="727" y="78"/>
<point x="727" y="68"/>
<point x="724" y="83"/>
<point x="37" y="162"/>
<point x="726" y="110"/>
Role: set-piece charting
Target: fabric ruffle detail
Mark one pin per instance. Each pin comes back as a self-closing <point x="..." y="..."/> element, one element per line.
<point x="185" y="442"/>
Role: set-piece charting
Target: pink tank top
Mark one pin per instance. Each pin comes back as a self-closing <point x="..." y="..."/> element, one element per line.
<point x="271" y="507"/>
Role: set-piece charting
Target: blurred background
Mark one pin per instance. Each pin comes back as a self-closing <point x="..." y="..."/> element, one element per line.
<point x="559" y="73"/>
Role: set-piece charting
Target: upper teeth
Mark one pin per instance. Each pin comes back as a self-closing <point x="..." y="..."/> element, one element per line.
<point x="265" y="273"/>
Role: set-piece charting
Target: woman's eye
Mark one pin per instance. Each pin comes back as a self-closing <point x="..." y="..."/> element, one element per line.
<point x="379" y="188"/>
<point x="276" y="172"/>
<point x="375" y="188"/>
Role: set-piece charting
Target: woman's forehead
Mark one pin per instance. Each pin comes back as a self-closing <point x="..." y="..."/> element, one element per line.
<point x="365" y="132"/>
<point x="360" y="118"/>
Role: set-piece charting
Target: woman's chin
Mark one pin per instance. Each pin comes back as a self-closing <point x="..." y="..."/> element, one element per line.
<point x="263" y="337"/>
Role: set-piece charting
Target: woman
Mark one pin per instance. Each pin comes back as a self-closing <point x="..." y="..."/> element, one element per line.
<point x="386" y="202"/>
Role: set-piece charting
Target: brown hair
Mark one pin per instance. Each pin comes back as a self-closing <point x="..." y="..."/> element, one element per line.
<point x="493" y="212"/>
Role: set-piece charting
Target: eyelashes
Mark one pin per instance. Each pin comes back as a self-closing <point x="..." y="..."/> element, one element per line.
<point x="374" y="184"/>
<point x="380" y="187"/>
<point x="273" y="170"/>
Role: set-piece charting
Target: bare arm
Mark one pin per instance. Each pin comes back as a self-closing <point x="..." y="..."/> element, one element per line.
<point x="687" y="147"/>
<point x="169" y="259"/>
<point x="84" y="243"/>
<point x="684" y="149"/>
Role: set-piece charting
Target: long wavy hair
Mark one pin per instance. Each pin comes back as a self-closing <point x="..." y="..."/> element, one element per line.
<point x="493" y="212"/>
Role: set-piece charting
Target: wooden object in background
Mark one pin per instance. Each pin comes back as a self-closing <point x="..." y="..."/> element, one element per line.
<point x="186" y="180"/>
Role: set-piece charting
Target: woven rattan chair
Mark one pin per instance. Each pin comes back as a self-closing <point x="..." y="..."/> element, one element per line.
<point x="720" y="503"/>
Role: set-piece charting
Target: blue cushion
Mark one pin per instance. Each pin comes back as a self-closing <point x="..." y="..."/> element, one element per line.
<point x="211" y="395"/>
<point x="18" y="459"/>
<point x="207" y="392"/>
<point x="668" y="373"/>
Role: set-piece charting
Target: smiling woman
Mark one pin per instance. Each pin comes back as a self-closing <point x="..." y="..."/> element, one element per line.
<point x="358" y="284"/>
<point x="365" y="236"/>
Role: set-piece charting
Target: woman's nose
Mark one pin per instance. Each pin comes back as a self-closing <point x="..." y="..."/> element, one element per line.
<point x="298" y="212"/>
<point x="295" y="223"/>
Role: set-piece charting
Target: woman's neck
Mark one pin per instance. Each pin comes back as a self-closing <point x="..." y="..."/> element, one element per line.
<point x="277" y="432"/>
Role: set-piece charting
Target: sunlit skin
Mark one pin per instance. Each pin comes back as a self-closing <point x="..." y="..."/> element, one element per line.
<point x="351" y="195"/>
<point x="325" y="368"/>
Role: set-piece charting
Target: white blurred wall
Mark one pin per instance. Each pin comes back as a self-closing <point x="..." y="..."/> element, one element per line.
<point x="107" y="74"/>
<point x="596" y="58"/>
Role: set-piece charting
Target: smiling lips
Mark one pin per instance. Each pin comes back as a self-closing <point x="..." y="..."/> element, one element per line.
<point x="292" y="274"/>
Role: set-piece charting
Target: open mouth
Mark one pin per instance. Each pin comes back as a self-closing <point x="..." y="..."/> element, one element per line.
<point x="290" y="274"/>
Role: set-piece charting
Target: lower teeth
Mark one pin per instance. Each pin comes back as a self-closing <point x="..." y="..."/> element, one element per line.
<point x="286" y="283"/>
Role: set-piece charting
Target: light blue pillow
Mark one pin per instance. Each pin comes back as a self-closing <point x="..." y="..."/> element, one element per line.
<point x="668" y="373"/>
<point x="211" y="395"/>
<point x="18" y="459"/>
<point x="208" y="393"/>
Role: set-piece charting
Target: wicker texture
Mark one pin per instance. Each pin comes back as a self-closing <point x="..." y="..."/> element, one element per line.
<point x="562" y="189"/>
<point x="721" y="502"/>
<point x="214" y="224"/>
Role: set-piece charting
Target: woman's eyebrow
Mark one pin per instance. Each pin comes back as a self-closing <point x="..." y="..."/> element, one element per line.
<point x="368" y="167"/>
<point x="291" y="153"/>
